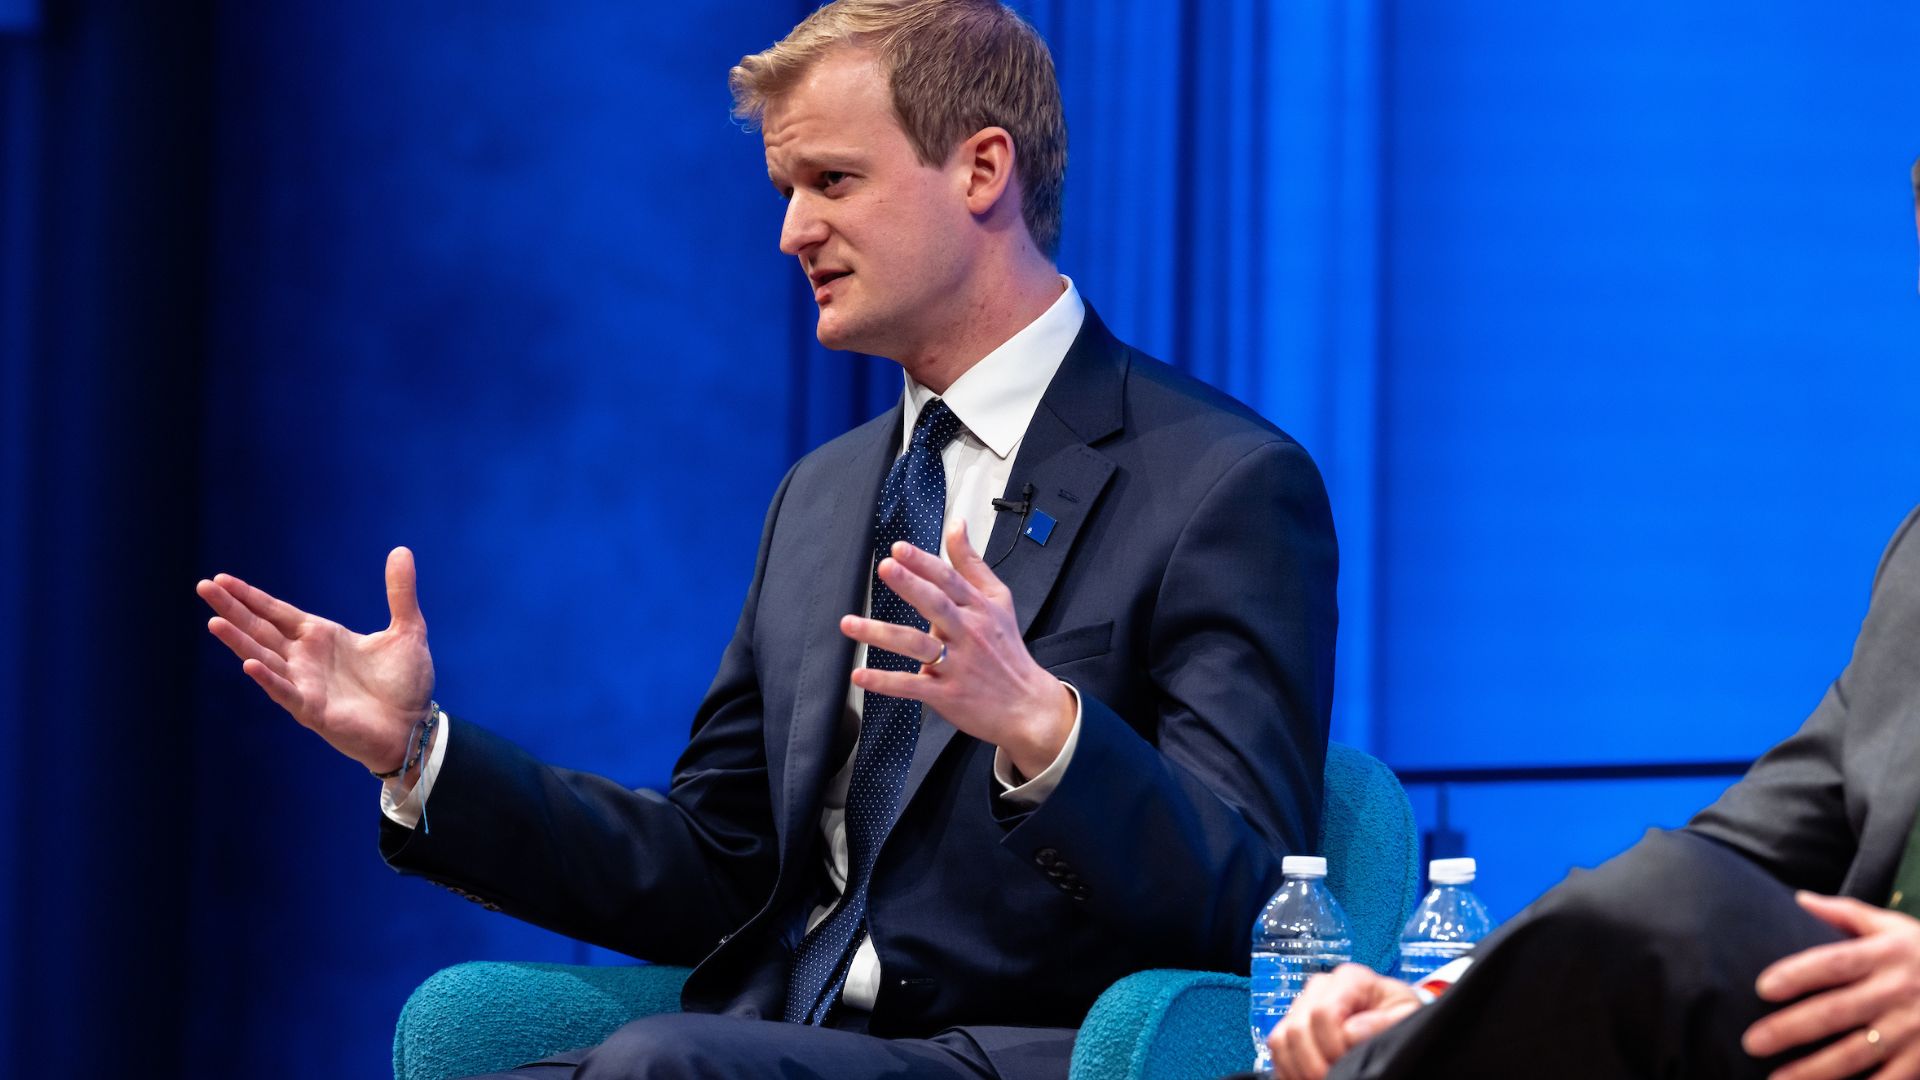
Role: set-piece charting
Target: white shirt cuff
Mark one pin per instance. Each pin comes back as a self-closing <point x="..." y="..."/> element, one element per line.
<point x="1033" y="792"/>
<point x="403" y="807"/>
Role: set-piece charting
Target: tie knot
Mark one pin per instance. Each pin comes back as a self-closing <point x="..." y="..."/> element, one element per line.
<point x="936" y="427"/>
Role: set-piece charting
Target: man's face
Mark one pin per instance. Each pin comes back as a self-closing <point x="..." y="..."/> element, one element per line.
<point x="884" y="240"/>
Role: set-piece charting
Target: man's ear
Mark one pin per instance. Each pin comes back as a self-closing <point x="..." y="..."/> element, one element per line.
<point x="988" y="159"/>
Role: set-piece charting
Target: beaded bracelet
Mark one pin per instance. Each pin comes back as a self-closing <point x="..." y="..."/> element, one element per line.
<point x="422" y="735"/>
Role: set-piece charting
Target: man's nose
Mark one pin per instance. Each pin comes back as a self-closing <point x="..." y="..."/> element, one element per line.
<point x="802" y="228"/>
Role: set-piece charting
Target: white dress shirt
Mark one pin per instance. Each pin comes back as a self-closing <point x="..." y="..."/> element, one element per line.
<point x="994" y="401"/>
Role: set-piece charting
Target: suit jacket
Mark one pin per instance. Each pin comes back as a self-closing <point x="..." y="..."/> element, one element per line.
<point x="1187" y="592"/>
<point x="1829" y="809"/>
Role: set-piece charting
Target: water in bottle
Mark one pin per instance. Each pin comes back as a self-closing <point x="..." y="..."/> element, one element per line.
<point x="1299" y="934"/>
<point x="1446" y="924"/>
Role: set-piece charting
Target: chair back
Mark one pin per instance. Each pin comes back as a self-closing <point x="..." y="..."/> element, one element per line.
<point x="1372" y="850"/>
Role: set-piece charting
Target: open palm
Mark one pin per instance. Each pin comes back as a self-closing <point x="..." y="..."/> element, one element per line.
<point x="361" y="692"/>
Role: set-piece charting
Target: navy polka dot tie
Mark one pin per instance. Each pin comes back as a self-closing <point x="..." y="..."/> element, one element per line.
<point x="913" y="505"/>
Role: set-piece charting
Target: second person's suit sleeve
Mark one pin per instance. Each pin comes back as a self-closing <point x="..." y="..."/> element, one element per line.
<point x="1793" y="812"/>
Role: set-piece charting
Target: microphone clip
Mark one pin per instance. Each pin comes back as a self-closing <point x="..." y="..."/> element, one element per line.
<point x="1016" y="506"/>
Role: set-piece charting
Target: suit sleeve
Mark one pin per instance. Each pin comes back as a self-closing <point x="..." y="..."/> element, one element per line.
<point x="1789" y="812"/>
<point x="1792" y="812"/>
<point x="1178" y="840"/>
<point x="658" y="875"/>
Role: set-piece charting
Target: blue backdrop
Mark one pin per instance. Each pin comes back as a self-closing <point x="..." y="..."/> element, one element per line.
<point x="1600" y="322"/>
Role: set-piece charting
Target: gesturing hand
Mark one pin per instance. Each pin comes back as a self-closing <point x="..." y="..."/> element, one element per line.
<point x="1865" y="990"/>
<point x="1334" y="1013"/>
<point x="361" y="693"/>
<point x="987" y="684"/>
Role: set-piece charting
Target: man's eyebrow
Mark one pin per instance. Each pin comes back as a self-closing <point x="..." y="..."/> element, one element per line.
<point x="826" y="161"/>
<point x="817" y="162"/>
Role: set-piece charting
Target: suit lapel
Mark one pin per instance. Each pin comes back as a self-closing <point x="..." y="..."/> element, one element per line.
<point x="1066" y="484"/>
<point x="841" y="529"/>
<point x="1082" y="404"/>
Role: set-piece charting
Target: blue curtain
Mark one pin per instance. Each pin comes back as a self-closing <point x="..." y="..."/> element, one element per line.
<point x="102" y="318"/>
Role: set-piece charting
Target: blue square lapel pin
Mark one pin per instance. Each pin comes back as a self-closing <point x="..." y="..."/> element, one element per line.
<point x="1039" y="526"/>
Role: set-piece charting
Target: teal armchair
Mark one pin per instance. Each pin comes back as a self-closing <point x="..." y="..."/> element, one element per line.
<point x="1152" y="1025"/>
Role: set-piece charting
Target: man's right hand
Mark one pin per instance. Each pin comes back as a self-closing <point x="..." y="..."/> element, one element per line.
<point x="1334" y="1013"/>
<point x="361" y="693"/>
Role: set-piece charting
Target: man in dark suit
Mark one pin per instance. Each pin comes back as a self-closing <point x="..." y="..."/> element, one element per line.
<point x="921" y="840"/>
<point x="1778" y="933"/>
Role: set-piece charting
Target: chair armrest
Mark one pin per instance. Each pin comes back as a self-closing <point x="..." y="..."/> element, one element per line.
<point x="486" y="1017"/>
<point x="1166" y="1025"/>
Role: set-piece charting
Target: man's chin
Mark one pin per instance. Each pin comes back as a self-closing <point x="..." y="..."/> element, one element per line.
<point x="835" y="334"/>
<point x="874" y="335"/>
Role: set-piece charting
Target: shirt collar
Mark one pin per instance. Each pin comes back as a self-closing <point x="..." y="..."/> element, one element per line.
<point x="996" y="397"/>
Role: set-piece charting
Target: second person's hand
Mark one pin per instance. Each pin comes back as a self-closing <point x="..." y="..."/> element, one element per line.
<point x="1335" y="1012"/>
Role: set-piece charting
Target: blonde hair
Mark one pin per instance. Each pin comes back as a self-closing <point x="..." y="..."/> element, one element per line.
<point x="954" y="67"/>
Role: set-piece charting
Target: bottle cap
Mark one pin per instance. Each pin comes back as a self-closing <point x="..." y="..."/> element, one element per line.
<point x="1450" y="871"/>
<point x="1304" y="866"/>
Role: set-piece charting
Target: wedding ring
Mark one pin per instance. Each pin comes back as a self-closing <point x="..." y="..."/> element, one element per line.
<point x="1873" y="1039"/>
<point x="935" y="662"/>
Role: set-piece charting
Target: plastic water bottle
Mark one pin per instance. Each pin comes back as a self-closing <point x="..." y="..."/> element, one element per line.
<point x="1300" y="933"/>
<point x="1446" y="924"/>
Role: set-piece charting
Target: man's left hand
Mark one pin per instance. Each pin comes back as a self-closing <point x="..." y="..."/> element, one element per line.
<point x="988" y="684"/>
<point x="1865" y="990"/>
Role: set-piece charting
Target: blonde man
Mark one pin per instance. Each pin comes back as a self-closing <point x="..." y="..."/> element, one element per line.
<point x="1031" y="686"/>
